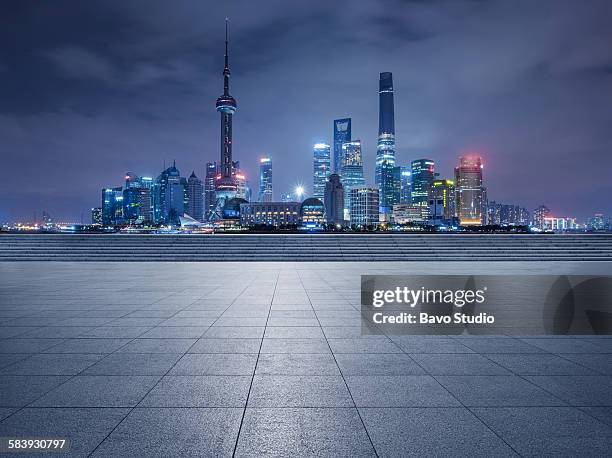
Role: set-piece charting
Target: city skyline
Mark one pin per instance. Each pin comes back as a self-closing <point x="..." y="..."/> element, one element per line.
<point x="79" y="133"/>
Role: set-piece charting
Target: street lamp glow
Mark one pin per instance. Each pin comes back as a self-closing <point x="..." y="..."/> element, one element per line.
<point x="299" y="191"/>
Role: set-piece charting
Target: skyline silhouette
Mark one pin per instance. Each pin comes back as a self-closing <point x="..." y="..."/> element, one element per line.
<point x="91" y="92"/>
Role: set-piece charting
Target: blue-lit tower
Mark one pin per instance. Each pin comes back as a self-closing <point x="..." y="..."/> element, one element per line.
<point x="225" y="185"/>
<point x="265" y="179"/>
<point x="406" y="185"/>
<point x="423" y="176"/>
<point x="321" y="170"/>
<point x="385" y="148"/>
<point x="351" y="170"/>
<point x="342" y="135"/>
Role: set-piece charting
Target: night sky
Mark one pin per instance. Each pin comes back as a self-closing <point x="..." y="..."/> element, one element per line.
<point x="92" y="89"/>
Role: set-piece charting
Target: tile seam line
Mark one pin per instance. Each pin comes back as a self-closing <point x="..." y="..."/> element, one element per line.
<point x="246" y="402"/>
<point x="339" y="369"/>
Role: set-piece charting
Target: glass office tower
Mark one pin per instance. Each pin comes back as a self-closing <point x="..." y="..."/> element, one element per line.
<point x="423" y="176"/>
<point x="322" y="168"/>
<point x="342" y="135"/>
<point x="265" y="179"/>
<point x="385" y="149"/>
<point x="469" y="190"/>
<point x="351" y="170"/>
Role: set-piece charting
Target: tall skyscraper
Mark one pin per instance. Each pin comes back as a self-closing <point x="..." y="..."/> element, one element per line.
<point x="137" y="205"/>
<point x="405" y="185"/>
<point x="322" y="168"/>
<point x="342" y="135"/>
<point x="442" y="200"/>
<point x="242" y="190"/>
<point x="112" y="206"/>
<point x="195" y="197"/>
<point x="397" y="184"/>
<point x="423" y="176"/>
<point x="388" y="196"/>
<point x="385" y="148"/>
<point x="265" y="179"/>
<point x="351" y="170"/>
<point x="168" y="197"/>
<point x="209" y="189"/>
<point x="137" y="208"/>
<point x="334" y="200"/>
<point x="225" y="185"/>
<point x="364" y="206"/>
<point x="538" y="216"/>
<point x="469" y="191"/>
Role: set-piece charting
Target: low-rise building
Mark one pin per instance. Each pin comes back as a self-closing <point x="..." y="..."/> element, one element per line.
<point x="270" y="214"/>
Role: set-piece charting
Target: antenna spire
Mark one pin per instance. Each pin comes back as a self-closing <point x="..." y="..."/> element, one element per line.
<point x="226" y="70"/>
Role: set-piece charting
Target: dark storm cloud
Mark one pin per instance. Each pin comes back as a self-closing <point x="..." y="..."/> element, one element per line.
<point x="90" y="90"/>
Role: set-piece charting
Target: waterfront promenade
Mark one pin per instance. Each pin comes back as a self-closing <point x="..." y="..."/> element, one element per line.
<point x="267" y="359"/>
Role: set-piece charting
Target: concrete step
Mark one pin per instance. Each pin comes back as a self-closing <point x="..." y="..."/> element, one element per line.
<point x="305" y="247"/>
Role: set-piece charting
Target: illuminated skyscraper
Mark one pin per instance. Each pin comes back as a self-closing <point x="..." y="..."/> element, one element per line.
<point x="137" y="205"/>
<point x="242" y="188"/>
<point x="385" y="149"/>
<point x="351" y="170"/>
<point x="397" y="184"/>
<point x="225" y="184"/>
<point x="442" y="201"/>
<point x="195" y="197"/>
<point x="389" y="189"/>
<point x="322" y="168"/>
<point x="469" y="191"/>
<point x="405" y="185"/>
<point x="112" y="206"/>
<point x="423" y="176"/>
<point x="168" y="197"/>
<point x="364" y="206"/>
<point x="342" y="135"/>
<point x="209" y="189"/>
<point x="538" y="216"/>
<point x="265" y="179"/>
<point x="137" y="208"/>
<point x="96" y="215"/>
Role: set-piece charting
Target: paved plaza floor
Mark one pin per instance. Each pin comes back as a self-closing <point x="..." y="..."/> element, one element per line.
<point x="171" y="359"/>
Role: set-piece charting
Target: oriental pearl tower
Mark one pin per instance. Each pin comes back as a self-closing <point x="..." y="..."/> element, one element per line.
<point x="225" y="183"/>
